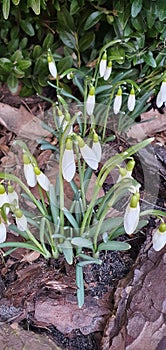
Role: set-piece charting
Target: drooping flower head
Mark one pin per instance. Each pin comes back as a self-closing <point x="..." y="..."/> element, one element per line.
<point x="29" y="171"/>
<point x="96" y="146"/>
<point x="3" y="196"/>
<point x="51" y="64"/>
<point x="21" y="220"/>
<point x="90" y="103"/>
<point x="131" y="216"/>
<point x="117" y="101"/>
<point x="131" y="100"/>
<point x="42" y="179"/>
<point x="108" y="70"/>
<point x="159" y="237"/>
<point x="103" y="64"/>
<point x="87" y="153"/>
<point x="161" y="96"/>
<point x="12" y="196"/>
<point x="68" y="161"/>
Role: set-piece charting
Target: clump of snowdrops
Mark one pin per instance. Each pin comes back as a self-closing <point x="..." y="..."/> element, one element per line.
<point x="81" y="231"/>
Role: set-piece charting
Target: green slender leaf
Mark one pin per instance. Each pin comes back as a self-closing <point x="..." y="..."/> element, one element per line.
<point x="80" y="285"/>
<point x="90" y="261"/>
<point x="67" y="250"/>
<point x="70" y="217"/>
<point x="53" y="204"/>
<point x="82" y="242"/>
<point x="114" y="245"/>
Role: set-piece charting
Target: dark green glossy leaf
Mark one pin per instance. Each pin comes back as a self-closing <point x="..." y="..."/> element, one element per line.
<point x="6" y="8"/>
<point x="68" y="39"/>
<point x="27" y="27"/>
<point x="136" y="7"/>
<point x="86" y="41"/>
<point x="161" y="9"/>
<point x="48" y="41"/>
<point x="24" y="64"/>
<point x="74" y="7"/>
<point x="149" y="59"/>
<point x="35" y="5"/>
<point x="37" y="50"/>
<point x="93" y="19"/>
<point x="64" y="64"/>
<point x="65" y="20"/>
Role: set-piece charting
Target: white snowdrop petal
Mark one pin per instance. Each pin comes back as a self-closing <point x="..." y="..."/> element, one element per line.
<point x="21" y="223"/>
<point x="90" y="104"/>
<point x="52" y="69"/>
<point x="131" y="102"/>
<point x="163" y="91"/>
<point x="30" y="175"/>
<point x="96" y="147"/>
<point x="13" y="196"/>
<point x="102" y="67"/>
<point x="68" y="165"/>
<point x="158" y="240"/>
<point x="117" y="104"/>
<point x="107" y="73"/>
<point x="89" y="156"/>
<point x="2" y="232"/>
<point x="3" y="199"/>
<point x="43" y="181"/>
<point x="131" y="219"/>
<point x="159" y="101"/>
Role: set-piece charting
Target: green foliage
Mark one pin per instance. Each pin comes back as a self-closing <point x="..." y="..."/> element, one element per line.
<point x="81" y="28"/>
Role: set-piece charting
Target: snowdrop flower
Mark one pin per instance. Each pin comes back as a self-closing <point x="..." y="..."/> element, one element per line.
<point x="161" y="96"/>
<point x="90" y="103"/>
<point x="117" y="101"/>
<point x="70" y="76"/>
<point x="66" y="122"/>
<point x="42" y="179"/>
<point x="51" y="64"/>
<point x="29" y="171"/>
<point x="103" y="64"/>
<point x="108" y="71"/>
<point x="2" y="232"/>
<point x="88" y="154"/>
<point x="131" y="216"/>
<point x="96" y="147"/>
<point x="21" y="220"/>
<point x="3" y="196"/>
<point x="68" y="162"/>
<point x="131" y="100"/>
<point x="12" y="195"/>
<point x="127" y="171"/>
<point x="60" y="117"/>
<point x="159" y="237"/>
